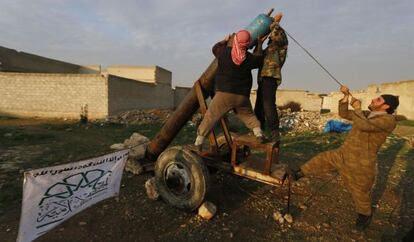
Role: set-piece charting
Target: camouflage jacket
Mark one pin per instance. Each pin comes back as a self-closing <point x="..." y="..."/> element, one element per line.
<point x="367" y="134"/>
<point x="275" y="53"/>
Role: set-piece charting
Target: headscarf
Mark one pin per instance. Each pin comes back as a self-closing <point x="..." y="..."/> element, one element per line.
<point x="240" y="43"/>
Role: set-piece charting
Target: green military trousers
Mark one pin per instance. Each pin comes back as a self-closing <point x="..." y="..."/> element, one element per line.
<point x="358" y="174"/>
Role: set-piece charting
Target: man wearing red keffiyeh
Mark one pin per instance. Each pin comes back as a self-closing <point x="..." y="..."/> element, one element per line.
<point x="233" y="83"/>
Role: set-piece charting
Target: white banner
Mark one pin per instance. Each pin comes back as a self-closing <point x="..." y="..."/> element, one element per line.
<point x="53" y="194"/>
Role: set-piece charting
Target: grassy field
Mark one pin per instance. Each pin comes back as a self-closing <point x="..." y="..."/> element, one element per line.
<point x="322" y="208"/>
<point x="31" y="144"/>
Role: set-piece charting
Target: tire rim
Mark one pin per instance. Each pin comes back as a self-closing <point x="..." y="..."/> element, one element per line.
<point x="177" y="178"/>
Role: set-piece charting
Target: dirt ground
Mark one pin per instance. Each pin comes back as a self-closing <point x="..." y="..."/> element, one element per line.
<point x="322" y="208"/>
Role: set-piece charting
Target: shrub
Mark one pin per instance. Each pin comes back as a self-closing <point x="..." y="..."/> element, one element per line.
<point x="324" y="110"/>
<point x="294" y="106"/>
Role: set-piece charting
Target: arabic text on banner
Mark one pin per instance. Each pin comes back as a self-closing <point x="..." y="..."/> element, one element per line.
<point x="53" y="194"/>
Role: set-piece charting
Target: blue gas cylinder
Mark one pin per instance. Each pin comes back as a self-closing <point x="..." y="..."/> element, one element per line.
<point x="260" y="26"/>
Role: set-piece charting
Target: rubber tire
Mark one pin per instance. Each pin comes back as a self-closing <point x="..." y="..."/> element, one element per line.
<point x="199" y="178"/>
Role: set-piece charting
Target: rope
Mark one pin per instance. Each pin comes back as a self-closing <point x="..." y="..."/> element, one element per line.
<point x="319" y="189"/>
<point x="289" y="193"/>
<point x="313" y="58"/>
<point x="336" y="80"/>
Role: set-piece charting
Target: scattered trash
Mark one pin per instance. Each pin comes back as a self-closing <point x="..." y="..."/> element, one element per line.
<point x="117" y="146"/>
<point x="305" y="120"/>
<point x="288" y="218"/>
<point x="279" y="217"/>
<point x="137" y="144"/>
<point x="207" y="210"/>
<point x="134" y="167"/>
<point x="337" y="126"/>
<point x="151" y="189"/>
<point x="303" y="206"/>
<point x="135" y="140"/>
<point x="141" y="116"/>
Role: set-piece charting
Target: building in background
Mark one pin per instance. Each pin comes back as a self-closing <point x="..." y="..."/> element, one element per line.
<point x="35" y="86"/>
<point x="403" y="89"/>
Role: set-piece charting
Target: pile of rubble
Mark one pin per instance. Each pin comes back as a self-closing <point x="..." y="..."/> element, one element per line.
<point x="302" y="121"/>
<point x="305" y="120"/>
<point x="141" y="116"/>
<point x="137" y="145"/>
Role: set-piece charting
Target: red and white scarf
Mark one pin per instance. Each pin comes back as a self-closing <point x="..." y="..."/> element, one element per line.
<point x="240" y="43"/>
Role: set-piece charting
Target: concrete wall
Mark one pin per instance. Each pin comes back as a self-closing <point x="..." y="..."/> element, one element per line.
<point x="309" y="101"/>
<point x="404" y="89"/>
<point x="149" y="74"/>
<point x="14" y="61"/>
<point x="62" y="95"/>
<point x="126" y="94"/>
<point x="330" y="101"/>
<point x="90" y="69"/>
<point x="179" y="94"/>
<point x="52" y="95"/>
<point x="26" y="88"/>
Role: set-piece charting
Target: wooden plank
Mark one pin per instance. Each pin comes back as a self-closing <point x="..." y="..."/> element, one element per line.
<point x="233" y="153"/>
<point x="258" y="176"/>
<point x="269" y="159"/>
<point x="256" y="164"/>
<point x="251" y="169"/>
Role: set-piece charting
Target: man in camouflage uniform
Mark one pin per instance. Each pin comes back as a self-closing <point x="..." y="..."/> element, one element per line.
<point x="269" y="78"/>
<point x="356" y="159"/>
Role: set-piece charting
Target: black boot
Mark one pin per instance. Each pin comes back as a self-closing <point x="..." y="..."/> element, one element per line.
<point x="296" y="174"/>
<point x="275" y="135"/>
<point x="362" y="221"/>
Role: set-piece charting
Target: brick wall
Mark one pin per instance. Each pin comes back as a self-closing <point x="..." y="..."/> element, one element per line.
<point x="52" y="95"/>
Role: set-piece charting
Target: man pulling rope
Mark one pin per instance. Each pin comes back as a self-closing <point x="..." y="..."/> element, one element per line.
<point x="356" y="159"/>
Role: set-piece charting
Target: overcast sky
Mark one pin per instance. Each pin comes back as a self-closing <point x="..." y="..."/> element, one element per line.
<point x="360" y="42"/>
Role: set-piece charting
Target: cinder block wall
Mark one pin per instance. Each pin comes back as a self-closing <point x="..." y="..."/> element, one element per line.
<point x="52" y="95"/>
<point x="331" y="100"/>
<point x="16" y="61"/>
<point x="179" y="94"/>
<point x="404" y="89"/>
<point x="149" y="74"/>
<point x="127" y="94"/>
